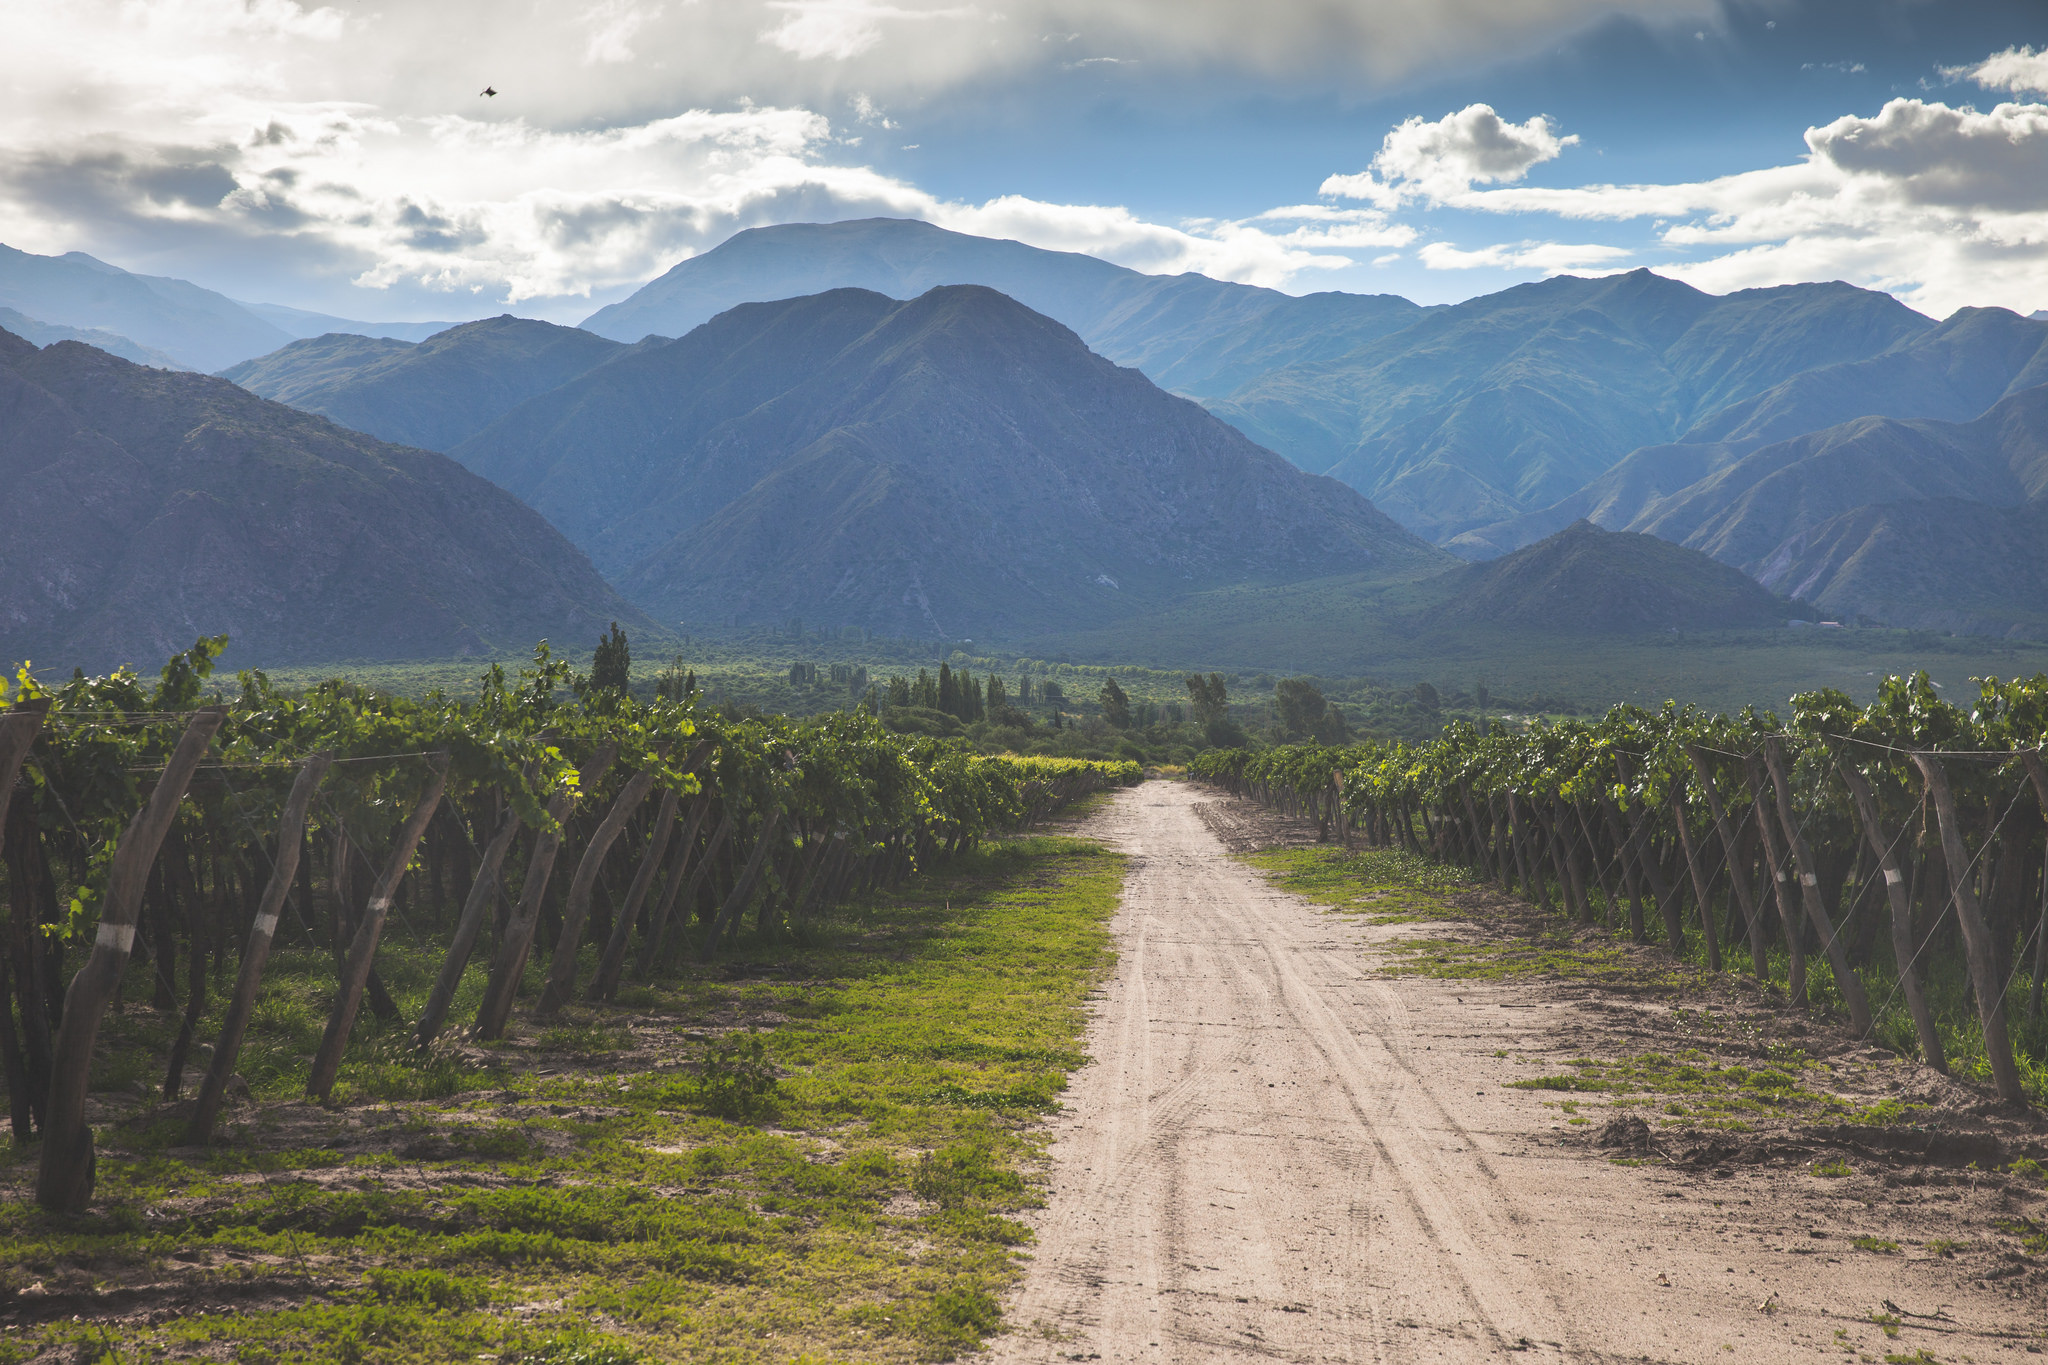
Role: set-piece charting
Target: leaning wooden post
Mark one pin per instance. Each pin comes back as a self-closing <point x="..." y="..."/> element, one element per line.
<point x="483" y="890"/>
<point x="1759" y="958"/>
<point x="650" y="953"/>
<point x="1977" y="946"/>
<point x="729" y="913"/>
<point x="362" y="952"/>
<point x="657" y="919"/>
<point x="1700" y="880"/>
<point x="1903" y="947"/>
<point x="1846" y="979"/>
<point x="561" y="981"/>
<point x="2038" y="771"/>
<point x="291" y="838"/>
<point x="1781" y="881"/>
<point x="18" y="729"/>
<point x="613" y="961"/>
<point x="510" y="963"/>
<point x="64" y="1180"/>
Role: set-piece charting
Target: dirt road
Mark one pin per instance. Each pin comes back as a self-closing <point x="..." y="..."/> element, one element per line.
<point x="1280" y="1154"/>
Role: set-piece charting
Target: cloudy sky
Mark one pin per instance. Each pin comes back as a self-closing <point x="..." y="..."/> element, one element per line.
<point x="339" y="157"/>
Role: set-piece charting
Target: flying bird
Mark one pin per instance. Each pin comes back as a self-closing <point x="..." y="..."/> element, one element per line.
<point x="487" y="90"/>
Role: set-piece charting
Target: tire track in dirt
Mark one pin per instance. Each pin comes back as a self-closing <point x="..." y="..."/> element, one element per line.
<point x="1247" y="1163"/>
<point x="1278" y="1155"/>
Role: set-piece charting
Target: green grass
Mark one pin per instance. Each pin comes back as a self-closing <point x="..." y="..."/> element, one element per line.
<point x="828" y="1164"/>
<point x="1694" y="1089"/>
<point x="1386" y="885"/>
<point x="1393" y="886"/>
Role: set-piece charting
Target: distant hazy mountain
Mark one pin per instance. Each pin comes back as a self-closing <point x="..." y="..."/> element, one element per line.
<point x="145" y="508"/>
<point x="1510" y="402"/>
<point x="1189" y="333"/>
<point x="1953" y="371"/>
<point x="45" y="333"/>
<point x="956" y="465"/>
<point x="1586" y="581"/>
<point x="194" y="326"/>
<point x="300" y="323"/>
<point x="1835" y="516"/>
<point x="433" y="394"/>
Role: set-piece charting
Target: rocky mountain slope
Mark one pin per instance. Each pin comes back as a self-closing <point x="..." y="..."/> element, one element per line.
<point x="145" y="508"/>
<point x="1451" y="418"/>
<point x="434" y="394"/>
<point x="1510" y="402"/>
<point x="1952" y="372"/>
<point x="952" y="465"/>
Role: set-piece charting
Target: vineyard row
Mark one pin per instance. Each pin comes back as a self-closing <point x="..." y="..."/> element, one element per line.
<point x="1785" y="848"/>
<point x="543" y="819"/>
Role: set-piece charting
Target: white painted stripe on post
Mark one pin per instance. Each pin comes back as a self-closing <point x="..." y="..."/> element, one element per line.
<point x="1808" y="879"/>
<point x="116" y="936"/>
<point x="266" y="925"/>
<point x="380" y="905"/>
<point x="1893" y="876"/>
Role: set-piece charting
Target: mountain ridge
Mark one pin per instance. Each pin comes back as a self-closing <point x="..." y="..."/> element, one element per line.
<point x="434" y="393"/>
<point x="952" y="463"/>
<point x="147" y="507"/>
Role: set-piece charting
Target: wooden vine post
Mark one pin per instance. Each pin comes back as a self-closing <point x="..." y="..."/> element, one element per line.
<point x="1738" y="878"/>
<point x="65" y="1176"/>
<point x="729" y="913"/>
<point x="613" y="959"/>
<point x="2037" y="772"/>
<point x="510" y="963"/>
<point x="650" y="953"/>
<point x="1903" y="948"/>
<point x="355" y="974"/>
<point x="1846" y="980"/>
<point x="561" y="980"/>
<point x="291" y="838"/>
<point x="18" y="730"/>
<point x="1701" y="880"/>
<point x="1781" y="883"/>
<point x="482" y="891"/>
<point x="1977" y="945"/>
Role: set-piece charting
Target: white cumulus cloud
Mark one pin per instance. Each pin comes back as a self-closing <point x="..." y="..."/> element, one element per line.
<point x="2018" y="69"/>
<point x="1943" y="206"/>
<point x="1440" y="160"/>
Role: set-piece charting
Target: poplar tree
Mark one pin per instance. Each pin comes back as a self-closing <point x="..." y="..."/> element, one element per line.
<point x="1116" y="706"/>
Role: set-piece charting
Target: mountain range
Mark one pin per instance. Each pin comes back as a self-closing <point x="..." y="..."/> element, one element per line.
<point x="435" y="393"/>
<point x="146" y="507"/>
<point x="1823" y="439"/>
<point x="1484" y="426"/>
<point x="154" y="319"/>
<point x="1631" y="400"/>
<point x="955" y="464"/>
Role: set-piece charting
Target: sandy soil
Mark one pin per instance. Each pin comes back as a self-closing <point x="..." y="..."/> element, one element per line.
<point x="1280" y="1153"/>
